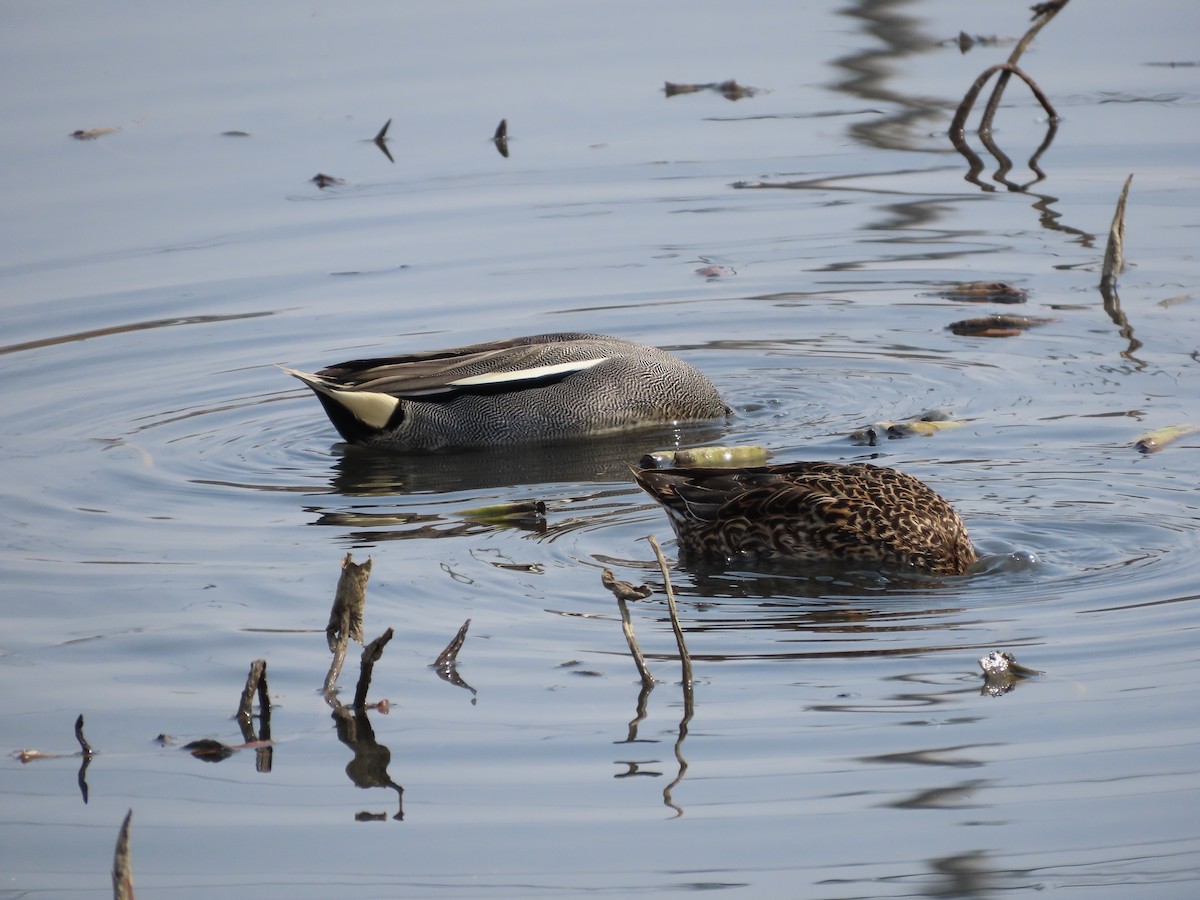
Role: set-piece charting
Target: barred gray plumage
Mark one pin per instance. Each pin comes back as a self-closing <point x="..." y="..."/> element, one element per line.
<point x="531" y="389"/>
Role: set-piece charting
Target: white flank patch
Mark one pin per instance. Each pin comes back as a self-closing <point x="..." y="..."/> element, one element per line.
<point x="527" y="374"/>
<point x="370" y="408"/>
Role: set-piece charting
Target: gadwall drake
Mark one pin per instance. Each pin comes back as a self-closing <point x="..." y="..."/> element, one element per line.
<point x="524" y="390"/>
<point x="811" y="511"/>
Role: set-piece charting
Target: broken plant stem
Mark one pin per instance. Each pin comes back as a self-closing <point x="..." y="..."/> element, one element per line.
<point x="346" y="616"/>
<point x="256" y="683"/>
<point x="618" y="589"/>
<point x="122" y="870"/>
<point x="1114" y="253"/>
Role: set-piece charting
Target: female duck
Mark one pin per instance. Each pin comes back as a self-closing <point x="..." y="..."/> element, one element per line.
<point x="810" y="511"/>
<point x="531" y="389"/>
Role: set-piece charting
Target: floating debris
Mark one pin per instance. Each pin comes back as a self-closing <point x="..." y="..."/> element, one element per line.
<point x="984" y="292"/>
<point x="1002" y="672"/>
<point x="967" y="41"/>
<point x="500" y="138"/>
<point x="380" y="140"/>
<point x="713" y="272"/>
<point x="519" y="512"/>
<point x="323" y="181"/>
<point x="926" y="425"/>
<point x="997" y="326"/>
<point x="730" y="89"/>
<point x="209" y="750"/>
<point x="1153" y="441"/>
<point x="749" y="455"/>
<point x="1177" y="299"/>
<point x="235" y="134"/>
<point x="91" y="134"/>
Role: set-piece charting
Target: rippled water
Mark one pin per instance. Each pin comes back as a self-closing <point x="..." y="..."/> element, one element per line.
<point x="175" y="507"/>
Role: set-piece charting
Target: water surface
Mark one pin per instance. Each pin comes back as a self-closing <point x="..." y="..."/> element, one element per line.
<point x="175" y="507"/>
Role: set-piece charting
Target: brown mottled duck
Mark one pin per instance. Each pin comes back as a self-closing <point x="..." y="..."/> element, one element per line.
<point x="811" y="511"/>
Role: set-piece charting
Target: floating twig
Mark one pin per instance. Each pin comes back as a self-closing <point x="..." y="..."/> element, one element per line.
<point x="370" y="655"/>
<point x="684" y="659"/>
<point x="625" y="591"/>
<point x="122" y="870"/>
<point x="1114" y="252"/>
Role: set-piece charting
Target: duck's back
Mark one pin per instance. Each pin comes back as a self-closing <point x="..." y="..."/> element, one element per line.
<point x="812" y="511"/>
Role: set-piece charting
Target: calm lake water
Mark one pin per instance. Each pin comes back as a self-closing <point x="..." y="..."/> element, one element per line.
<point x="175" y="507"/>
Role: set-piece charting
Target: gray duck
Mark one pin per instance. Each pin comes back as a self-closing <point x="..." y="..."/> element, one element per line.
<point x="535" y="389"/>
<point x="811" y="511"/>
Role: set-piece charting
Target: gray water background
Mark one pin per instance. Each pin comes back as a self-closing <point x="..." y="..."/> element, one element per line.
<point x="174" y="507"/>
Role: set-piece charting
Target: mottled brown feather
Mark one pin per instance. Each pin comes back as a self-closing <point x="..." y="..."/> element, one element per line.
<point x="811" y="511"/>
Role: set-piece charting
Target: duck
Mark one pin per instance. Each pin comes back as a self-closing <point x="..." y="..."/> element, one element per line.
<point x="536" y="389"/>
<point x="810" y="512"/>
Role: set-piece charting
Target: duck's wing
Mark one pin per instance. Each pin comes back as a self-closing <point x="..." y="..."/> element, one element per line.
<point x="494" y="367"/>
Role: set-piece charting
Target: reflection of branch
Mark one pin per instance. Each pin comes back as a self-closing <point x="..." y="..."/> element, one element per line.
<point x="368" y="769"/>
<point x="686" y="663"/>
<point x="688" y="709"/>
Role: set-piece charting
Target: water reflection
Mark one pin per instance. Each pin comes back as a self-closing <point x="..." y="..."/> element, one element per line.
<point x="871" y="73"/>
<point x="368" y="768"/>
<point x="368" y="471"/>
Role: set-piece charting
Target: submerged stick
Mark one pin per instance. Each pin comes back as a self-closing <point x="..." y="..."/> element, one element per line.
<point x="1114" y="253"/>
<point x="256" y="683"/>
<point x="346" y="617"/>
<point x="370" y="655"/>
<point x="684" y="658"/>
<point x="122" y="871"/>
<point x="623" y="591"/>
